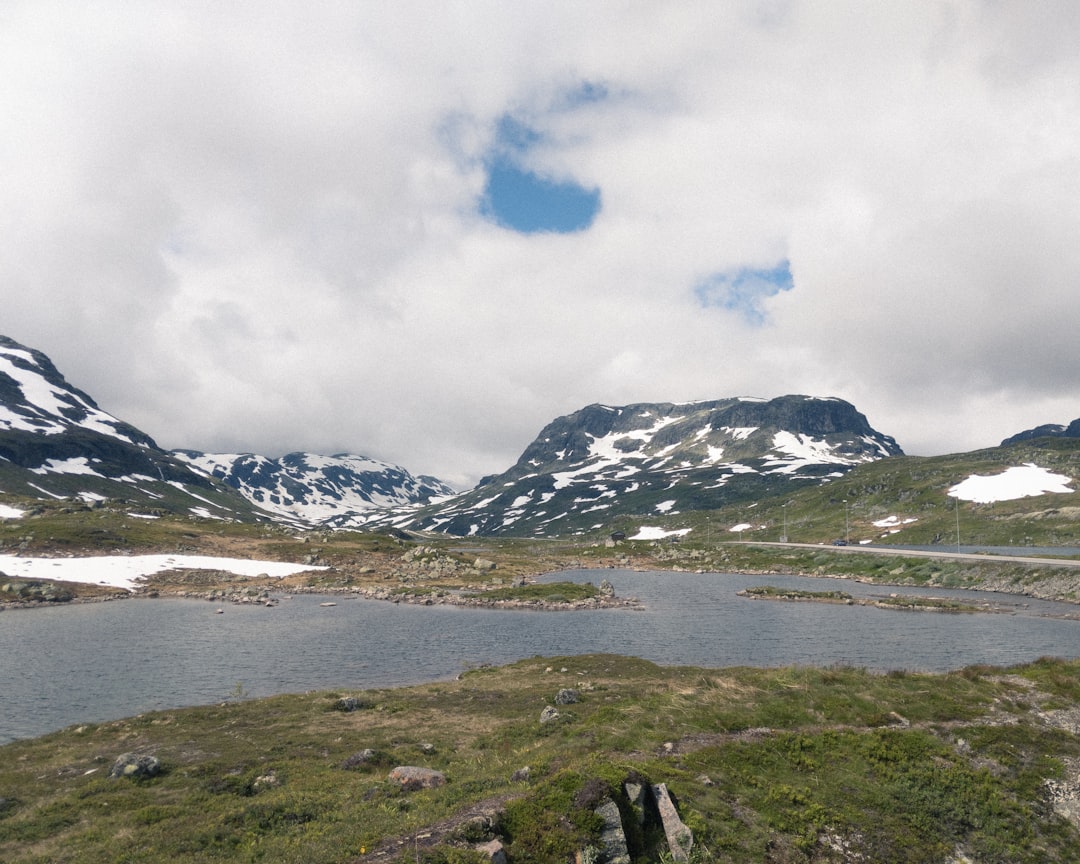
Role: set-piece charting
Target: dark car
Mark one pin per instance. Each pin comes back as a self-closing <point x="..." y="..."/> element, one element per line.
<point x="839" y="542"/>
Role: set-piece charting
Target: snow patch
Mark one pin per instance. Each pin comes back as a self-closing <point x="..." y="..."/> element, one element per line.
<point x="1024" y="481"/>
<point x="128" y="571"/>
<point x="652" y="532"/>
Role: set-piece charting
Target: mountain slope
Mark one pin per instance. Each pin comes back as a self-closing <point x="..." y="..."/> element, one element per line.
<point x="341" y="491"/>
<point x="55" y="442"/>
<point x="1047" y="430"/>
<point x="590" y="468"/>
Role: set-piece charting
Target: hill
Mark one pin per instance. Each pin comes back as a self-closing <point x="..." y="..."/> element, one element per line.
<point x="602" y="465"/>
<point x="548" y="758"/>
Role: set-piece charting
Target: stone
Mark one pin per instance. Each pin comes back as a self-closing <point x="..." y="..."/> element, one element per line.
<point x="612" y="837"/>
<point x="636" y="793"/>
<point x="412" y="777"/>
<point x="135" y="766"/>
<point x="494" y="850"/>
<point x="484" y="564"/>
<point x="567" y="697"/>
<point x="521" y="775"/>
<point x="358" y="760"/>
<point x="548" y="714"/>
<point x="680" y="838"/>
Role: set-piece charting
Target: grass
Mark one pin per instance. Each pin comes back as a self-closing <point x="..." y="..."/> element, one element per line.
<point x="768" y="765"/>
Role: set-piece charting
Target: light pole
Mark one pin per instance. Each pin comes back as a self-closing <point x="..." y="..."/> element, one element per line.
<point x="847" y="530"/>
<point x="783" y="537"/>
<point x="957" y="508"/>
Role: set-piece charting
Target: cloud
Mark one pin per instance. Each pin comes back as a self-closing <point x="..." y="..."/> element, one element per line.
<point x="279" y="228"/>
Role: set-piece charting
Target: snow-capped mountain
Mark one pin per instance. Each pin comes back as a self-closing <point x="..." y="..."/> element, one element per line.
<point x="35" y="398"/>
<point x="55" y="442"/>
<point x="591" y="468"/>
<point x="341" y="491"/>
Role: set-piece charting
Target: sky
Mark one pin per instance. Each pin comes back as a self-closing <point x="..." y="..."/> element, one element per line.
<point x="419" y="232"/>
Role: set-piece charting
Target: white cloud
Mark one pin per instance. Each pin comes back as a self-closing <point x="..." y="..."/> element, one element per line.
<point x="250" y="228"/>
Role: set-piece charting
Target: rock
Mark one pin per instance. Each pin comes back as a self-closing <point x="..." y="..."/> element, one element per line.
<point x="612" y="837"/>
<point x="358" y="760"/>
<point x="135" y="766"/>
<point x="494" y="850"/>
<point x="412" y="777"/>
<point x="351" y="703"/>
<point x="484" y="564"/>
<point x="607" y="589"/>
<point x="636" y="792"/>
<point x="679" y="837"/>
<point x="548" y="714"/>
<point x="567" y="697"/>
<point x="521" y="775"/>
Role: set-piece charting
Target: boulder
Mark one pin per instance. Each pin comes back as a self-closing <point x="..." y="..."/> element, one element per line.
<point x="360" y="759"/>
<point x="412" y="777"/>
<point x="494" y="851"/>
<point x="612" y="837"/>
<point x="679" y="837"/>
<point x="135" y="766"/>
<point x="548" y="714"/>
<point x="567" y="697"/>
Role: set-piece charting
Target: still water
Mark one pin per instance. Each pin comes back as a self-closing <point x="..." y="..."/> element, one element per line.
<point x="102" y="661"/>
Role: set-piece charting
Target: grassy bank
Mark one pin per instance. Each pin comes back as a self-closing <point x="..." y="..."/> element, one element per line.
<point x="782" y="765"/>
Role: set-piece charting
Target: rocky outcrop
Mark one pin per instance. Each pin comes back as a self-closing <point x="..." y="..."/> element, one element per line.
<point x="135" y="766"/>
<point x="613" y="846"/>
<point x="412" y="777"/>
<point x="679" y="837"/>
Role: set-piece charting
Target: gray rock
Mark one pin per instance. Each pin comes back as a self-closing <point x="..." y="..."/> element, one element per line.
<point x="612" y="836"/>
<point x="521" y="775"/>
<point x="679" y="837"/>
<point x="484" y="564"/>
<point x="135" y="766"/>
<point x="548" y="714"/>
<point x="494" y="850"/>
<point x="567" y="697"/>
<point x="412" y="777"/>
<point x="637" y="792"/>
<point x="358" y="760"/>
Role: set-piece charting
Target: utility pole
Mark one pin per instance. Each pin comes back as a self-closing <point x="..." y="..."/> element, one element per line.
<point x="847" y="529"/>
<point x="957" y="508"/>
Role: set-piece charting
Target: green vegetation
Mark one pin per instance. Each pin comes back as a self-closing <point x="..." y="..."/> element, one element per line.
<point x="778" y="765"/>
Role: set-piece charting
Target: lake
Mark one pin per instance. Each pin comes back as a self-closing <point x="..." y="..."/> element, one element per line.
<point x="100" y="661"/>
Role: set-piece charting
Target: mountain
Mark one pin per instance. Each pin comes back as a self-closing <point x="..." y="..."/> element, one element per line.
<point x="55" y="442"/>
<point x="590" y="469"/>
<point x="1048" y="430"/>
<point x="342" y="491"/>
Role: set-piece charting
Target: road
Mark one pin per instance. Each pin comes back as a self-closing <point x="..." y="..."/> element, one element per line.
<point x="913" y="553"/>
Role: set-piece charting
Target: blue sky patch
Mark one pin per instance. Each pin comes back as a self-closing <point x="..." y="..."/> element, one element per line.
<point x="744" y="289"/>
<point x="525" y="201"/>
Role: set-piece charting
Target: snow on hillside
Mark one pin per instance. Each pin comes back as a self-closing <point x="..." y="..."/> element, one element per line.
<point x="127" y="571"/>
<point x="45" y="407"/>
<point x="1020" y="482"/>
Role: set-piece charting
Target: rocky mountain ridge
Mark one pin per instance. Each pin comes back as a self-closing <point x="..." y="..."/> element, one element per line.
<point x="340" y="491"/>
<point x="589" y="469"/>
<point x="56" y="442"/>
<point x="1047" y="430"/>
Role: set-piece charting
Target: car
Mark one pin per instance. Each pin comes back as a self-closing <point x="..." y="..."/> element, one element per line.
<point x="839" y="542"/>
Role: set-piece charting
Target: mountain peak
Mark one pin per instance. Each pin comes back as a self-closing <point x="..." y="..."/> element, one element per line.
<point x="35" y="397"/>
<point x="660" y="458"/>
